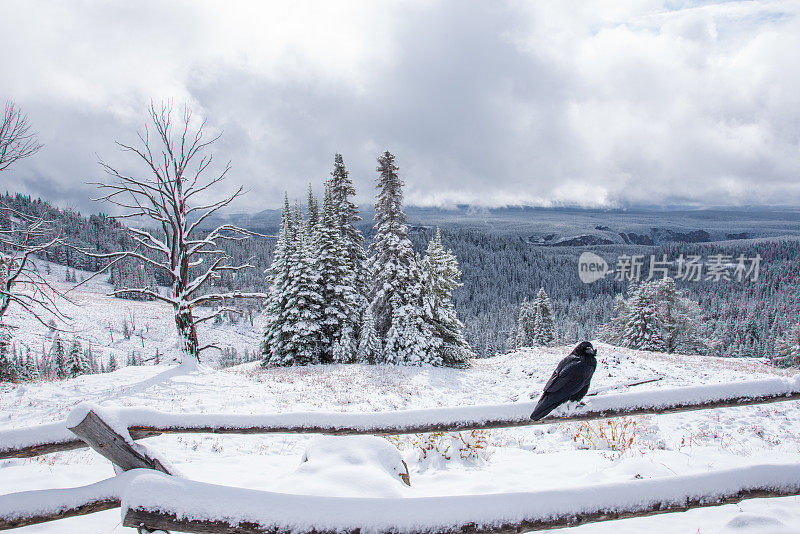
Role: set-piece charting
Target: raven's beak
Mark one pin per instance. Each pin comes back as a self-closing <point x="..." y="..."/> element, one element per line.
<point x="593" y="352"/>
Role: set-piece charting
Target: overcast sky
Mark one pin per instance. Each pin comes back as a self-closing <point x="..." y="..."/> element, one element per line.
<point x="546" y="103"/>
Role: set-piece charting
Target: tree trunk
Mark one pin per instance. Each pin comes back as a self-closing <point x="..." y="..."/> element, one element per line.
<point x="184" y="320"/>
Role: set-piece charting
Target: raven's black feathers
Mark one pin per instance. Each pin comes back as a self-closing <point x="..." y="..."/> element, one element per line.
<point x="570" y="380"/>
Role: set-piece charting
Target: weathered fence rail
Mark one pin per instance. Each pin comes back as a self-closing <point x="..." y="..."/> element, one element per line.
<point x="145" y="479"/>
<point x="142" y="423"/>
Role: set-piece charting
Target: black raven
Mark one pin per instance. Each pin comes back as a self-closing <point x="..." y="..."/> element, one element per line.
<point x="570" y="380"/>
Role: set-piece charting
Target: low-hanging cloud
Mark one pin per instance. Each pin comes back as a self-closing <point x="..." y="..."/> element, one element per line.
<point x="485" y="103"/>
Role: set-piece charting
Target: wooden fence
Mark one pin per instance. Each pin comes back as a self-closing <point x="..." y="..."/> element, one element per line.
<point x="139" y="467"/>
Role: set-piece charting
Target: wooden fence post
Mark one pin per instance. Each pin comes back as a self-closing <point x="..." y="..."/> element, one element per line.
<point x="117" y="448"/>
<point x="100" y="436"/>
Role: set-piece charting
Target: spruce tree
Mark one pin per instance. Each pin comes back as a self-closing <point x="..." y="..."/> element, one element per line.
<point x="544" y="325"/>
<point x="59" y="357"/>
<point x="313" y="212"/>
<point x="442" y="275"/>
<point x="342" y="191"/>
<point x="370" y="349"/>
<point x="787" y="353"/>
<point x="31" y="367"/>
<point x="278" y="277"/>
<point x="341" y="302"/>
<point x="526" y="325"/>
<point x="7" y="371"/>
<point x="656" y="317"/>
<point x="396" y="289"/>
<point x="304" y="305"/>
<point x="409" y="340"/>
<point x="643" y="327"/>
<point x="76" y="364"/>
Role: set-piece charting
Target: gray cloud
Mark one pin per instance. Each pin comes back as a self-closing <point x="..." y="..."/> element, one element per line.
<point x="484" y="103"/>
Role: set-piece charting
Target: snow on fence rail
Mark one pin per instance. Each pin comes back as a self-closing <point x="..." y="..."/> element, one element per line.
<point x="160" y="501"/>
<point x="142" y="422"/>
<point x="153" y="498"/>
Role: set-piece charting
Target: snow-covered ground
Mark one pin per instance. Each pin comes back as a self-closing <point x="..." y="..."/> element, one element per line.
<point x="513" y="460"/>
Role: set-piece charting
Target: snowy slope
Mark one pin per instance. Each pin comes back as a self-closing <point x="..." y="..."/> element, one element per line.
<point x="519" y="459"/>
<point x="99" y="320"/>
<point x="544" y="458"/>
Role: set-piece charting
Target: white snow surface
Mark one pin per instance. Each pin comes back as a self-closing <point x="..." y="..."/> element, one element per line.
<point x="525" y="460"/>
<point x="122" y="419"/>
<point x="297" y="513"/>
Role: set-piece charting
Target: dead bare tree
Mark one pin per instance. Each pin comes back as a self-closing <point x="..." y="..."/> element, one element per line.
<point x="22" y="238"/>
<point x="175" y="161"/>
<point x="17" y="140"/>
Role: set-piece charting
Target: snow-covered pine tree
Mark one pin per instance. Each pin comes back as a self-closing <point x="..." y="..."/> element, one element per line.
<point x="442" y="274"/>
<point x="31" y="367"/>
<point x="787" y="350"/>
<point x="409" y="340"/>
<point x="76" y="364"/>
<point x="7" y="370"/>
<point x="343" y="348"/>
<point x="612" y="332"/>
<point x="643" y="327"/>
<point x="396" y="288"/>
<point x="313" y="212"/>
<point x="341" y="302"/>
<point x="112" y="363"/>
<point x="304" y="305"/>
<point x="656" y="317"/>
<point x="370" y="349"/>
<point x="58" y="356"/>
<point x="544" y="326"/>
<point x="681" y="319"/>
<point x="526" y="324"/>
<point x="278" y="277"/>
<point x="342" y="191"/>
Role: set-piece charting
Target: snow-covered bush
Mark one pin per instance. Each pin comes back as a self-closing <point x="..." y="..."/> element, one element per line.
<point x="349" y="465"/>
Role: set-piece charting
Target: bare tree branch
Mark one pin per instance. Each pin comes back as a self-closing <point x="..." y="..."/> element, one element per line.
<point x="22" y="238"/>
<point x="176" y="163"/>
<point x="17" y="139"/>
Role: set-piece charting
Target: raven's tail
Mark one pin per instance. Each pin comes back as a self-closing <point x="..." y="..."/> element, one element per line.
<point x="543" y="407"/>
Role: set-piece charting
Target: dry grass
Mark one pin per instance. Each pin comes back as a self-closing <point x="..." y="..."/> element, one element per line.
<point x="618" y="434"/>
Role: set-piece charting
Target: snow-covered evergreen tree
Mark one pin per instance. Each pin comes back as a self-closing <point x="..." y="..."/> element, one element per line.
<point x="341" y="302"/>
<point x="409" y="340"/>
<point x="787" y="353"/>
<point x="343" y="348"/>
<point x="544" y="325"/>
<point x="112" y="363"/>
<point x="526" y="324"/>
<point x="31" y="367"/>
<point x="276" y="332"/>
<point x="656" y="317"/>
<point x="305" y="306"/>
<point x="396" y="289"/>
<point x="58" y="356"/>
<point x="442" y="275"/>
<point x="7" y="365"/>
<point x="370" y="348"/>
<point x="342" y="191"/>
<point x="313" y="212"/>
<point x="76" y="364"/>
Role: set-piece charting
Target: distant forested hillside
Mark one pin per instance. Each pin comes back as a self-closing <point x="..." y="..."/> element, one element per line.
<point x="499" y="270"/>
